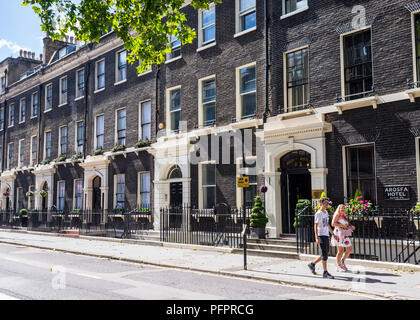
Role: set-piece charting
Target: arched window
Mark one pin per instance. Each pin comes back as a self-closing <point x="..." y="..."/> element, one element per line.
<point x="296" y="160"/>
<point x="175" y="173"/>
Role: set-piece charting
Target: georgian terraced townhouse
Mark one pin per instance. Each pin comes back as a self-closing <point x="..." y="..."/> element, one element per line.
<point x="329" y="89"/>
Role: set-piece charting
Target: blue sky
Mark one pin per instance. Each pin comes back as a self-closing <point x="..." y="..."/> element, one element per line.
<point x="19" y="28"/>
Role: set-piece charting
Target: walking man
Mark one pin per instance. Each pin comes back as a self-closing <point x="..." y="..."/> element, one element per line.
<point x="322" y="236"/>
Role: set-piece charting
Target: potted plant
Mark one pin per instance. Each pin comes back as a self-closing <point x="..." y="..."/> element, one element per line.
<point x="304" y="221"/>
<point x="45" y="161"/>
<point x="98" y="151"/>
<point x="142" y="144"/>
<point x="358" y="208"/>
<point x="61" y="158"/>
<point x="23" y="215"/>
<point x="118" y="147"/>
<point x="43" y="193"/>
<point x="415" y="212"/>
<point x="29" y="194"/>
<point x="6" y="193"/>
<point x="258" y="219"/>
<point x="77" y="156"/>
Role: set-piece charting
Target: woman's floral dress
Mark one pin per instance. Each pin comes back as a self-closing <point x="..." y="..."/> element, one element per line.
<point x="342" y="241"/>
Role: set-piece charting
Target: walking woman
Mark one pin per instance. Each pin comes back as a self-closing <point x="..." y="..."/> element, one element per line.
<point x="341" y="240"/>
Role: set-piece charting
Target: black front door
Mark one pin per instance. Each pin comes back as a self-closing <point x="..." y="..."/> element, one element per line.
<point x="296" y="185"/>
<point x="96" y="194"/>
<point x="176" y="194"/>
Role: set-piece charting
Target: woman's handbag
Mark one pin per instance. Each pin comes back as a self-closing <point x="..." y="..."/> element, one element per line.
<point x="344" y="232"/>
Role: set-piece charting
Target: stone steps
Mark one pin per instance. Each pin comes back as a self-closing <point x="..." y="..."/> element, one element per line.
<point x="282" y="247"/>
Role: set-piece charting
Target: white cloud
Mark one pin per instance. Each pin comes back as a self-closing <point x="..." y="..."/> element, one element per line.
<point x="14" y="47"/>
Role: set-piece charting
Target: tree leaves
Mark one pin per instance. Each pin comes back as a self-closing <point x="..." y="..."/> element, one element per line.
<point x="144" y="26"/>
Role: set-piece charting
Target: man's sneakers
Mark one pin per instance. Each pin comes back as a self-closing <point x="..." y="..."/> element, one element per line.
<point x="326" y="275"/>
<point x="311" y="267"/>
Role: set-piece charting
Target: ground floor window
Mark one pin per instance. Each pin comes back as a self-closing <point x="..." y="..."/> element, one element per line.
<point x="144" y="190"/>
<point x="120" y="191"/>
<point x="78" y="194"/>
<point x="208" y="185"/>
<point x="251" y="192"/>
<point x="360" y="171"/>
<point x="61" y="195"/>
<point x="32" y="197"/>
<point x="20" y="198"/>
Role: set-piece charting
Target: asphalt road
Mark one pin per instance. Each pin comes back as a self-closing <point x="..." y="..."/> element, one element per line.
<point x="34" y="274"/>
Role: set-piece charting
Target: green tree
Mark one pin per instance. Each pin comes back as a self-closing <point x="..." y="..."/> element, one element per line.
<point x="143" y="25"/>
<point x="258" y="217"/>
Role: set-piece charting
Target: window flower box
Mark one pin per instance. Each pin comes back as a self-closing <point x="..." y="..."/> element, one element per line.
<point x="98" y="152"/>
<point x="118" y="147"/>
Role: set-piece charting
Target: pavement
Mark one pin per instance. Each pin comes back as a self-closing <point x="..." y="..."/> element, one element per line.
<point x="377" y="281"/>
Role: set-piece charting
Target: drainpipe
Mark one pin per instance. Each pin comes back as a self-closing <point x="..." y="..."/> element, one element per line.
<point x="266" y="22"/>
<point x="3" y="151"/>
<point x="87" y="76"/>
<point x="157" y="101"/>
<point x="38" y="147"/>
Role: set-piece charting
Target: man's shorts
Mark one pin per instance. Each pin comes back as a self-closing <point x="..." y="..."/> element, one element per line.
<point x="325" y="247"/>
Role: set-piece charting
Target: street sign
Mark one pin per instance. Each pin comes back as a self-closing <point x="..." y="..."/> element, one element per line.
<point x="243" y="182"/>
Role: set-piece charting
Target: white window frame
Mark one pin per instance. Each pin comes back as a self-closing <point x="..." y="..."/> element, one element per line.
<point x="96" y="76"/>
<point x="76" y="145"/>
<point x="141" y="119"/>
<point x="168" y="108"/>
<point x="238" y="14"/>
<point x="20" y="110"/>
<point x="238" y="90"/>
<point x="200" y="99"/>
<point x="74" y="193"/>
<point x="12" y="106"/>
<point x="168" y="55"/>
<point x="31" y="189"/>
<point x="116" y="189"/>
<point x="32" y="105"/>
<point x="45" y="145"/>
<point x="297" y="11"/>
<point x="285" y="65"/>
<point x="344" y="157"/>
<point x="117" y="54"/>
<point x="200" y="183"/>
<point x="201" y="44"/>
<point x="116" y="125"/>
<point x="60" y="152"/>
<point x="21" y="161"/>
<point x="80" y="95"/>
<point x="46" y="97"/>
<point x="19" y="192"/>
<point x="31" y="157"/>
<point x="2" y="116"/>
<point x="342" y="36"/>
<point x="60" y="96"/>
<point x="139" y="197"/>
<point x="10" y="153"/>
<point x="95" y="132"/>
<point x="3" y="88"/>
<point x="58" y="194"/>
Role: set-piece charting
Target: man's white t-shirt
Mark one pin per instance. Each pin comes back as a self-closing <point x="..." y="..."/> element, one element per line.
<point x="321" y="217"/>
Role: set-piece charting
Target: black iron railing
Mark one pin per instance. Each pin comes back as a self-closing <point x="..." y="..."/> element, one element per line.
<point x="220" y="226"/>
<point x="391" y="235"/>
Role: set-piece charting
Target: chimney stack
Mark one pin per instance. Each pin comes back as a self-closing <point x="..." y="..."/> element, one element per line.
<point x="20" y="53"/>
<point x="40" y="57"/>
<point x="33" y="55"/>
<point x="25" y="54"/>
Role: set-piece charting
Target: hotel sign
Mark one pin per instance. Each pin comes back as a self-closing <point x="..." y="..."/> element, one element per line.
<point x="397" y="193"/>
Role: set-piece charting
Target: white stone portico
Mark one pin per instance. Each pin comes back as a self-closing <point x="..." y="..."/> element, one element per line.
<point x="96" y="166"/>
<point x="168" y="153"/>
<point x="44" y="179"/>
<point x="7" y="184"/>
<point x="282" y="136"/>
